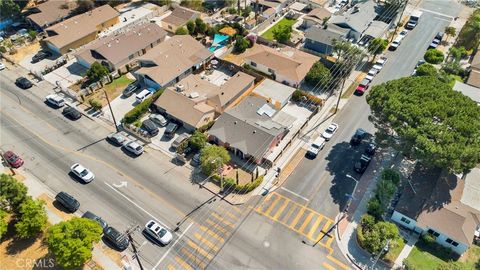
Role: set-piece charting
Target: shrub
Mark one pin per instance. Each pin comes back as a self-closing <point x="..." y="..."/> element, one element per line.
<point x="137" y="112"/>
<point x="181" y="31"/>
<point x="230" y="184"/>
<point x="427" y="70"/>
<point x="157" y="94"/>
<point x="197" y="140"/>
<point x="374" y="208"/>
<point x="241" y="44"/>
<point x="95" y="103"/>
<point x="434" y="56"/>
<point x="205" y="127"/>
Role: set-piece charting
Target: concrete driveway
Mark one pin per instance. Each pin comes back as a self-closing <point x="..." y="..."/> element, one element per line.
<point x="67" y="74"/>
<point x="41" y="65"/>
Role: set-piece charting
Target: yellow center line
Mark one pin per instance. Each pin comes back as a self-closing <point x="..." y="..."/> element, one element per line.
<point x="170" y="267"/>
<point x="328" y="266"/>
<point x="183" y="263"/>
<point x="337" y="262"/>
<point x="306" y="222"/>
<point x="200" y="250"/>
<point x="297" y="217"/>
<point x="193" y="258"/>
<point x="272" y="206"/>
<point x="206" y="242"/>
<point x="211" y="233"/>
<point x="314" y="227"/>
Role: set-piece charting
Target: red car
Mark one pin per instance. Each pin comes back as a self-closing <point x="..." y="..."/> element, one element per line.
<point x="362" y="87"/>
<point x="12" y="159"/>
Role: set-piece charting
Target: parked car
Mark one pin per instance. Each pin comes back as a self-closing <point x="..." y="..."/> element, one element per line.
<point x="92" y="216"/>
<point x="13" y="159"/>
<point x="358" y="136"/>
<point x="436" y="40"/>
<point x="158" y="119"/>
<point x="419" y="63"/>
<point x="362" y="87"/>
<point x="83" y="173"/>
<point x="67" y="201"/>
<point x="134" y="148"/>
<point x="131" y="88"/>
<point x="117" y="239"/>
<point x="362" y="164"/>
<point x="116" y="138"/>
<point x="394" y="45"/>
<point x="196" y="160"/>
<point x="179" y="140"/>
<point x="150" y="127"/>
<point x="158" y="232"/>
<point x="71" y="113"/>
<point x="403" y="33"/>
<point x="140" y="97"/>
<point x="372" y="72"/>
<point x="369" y="78"/>
<point x="316" y="146"/>
<point x="40" y="56"/>
<point x="371" y="148"/>
<point x="55" y="100"/>
<point x="170" y="130"/>
<point x="380" y="63"/>
<point x="23" y="83"/>
<point x="328" y="133"/>
<point x="2" y="66"/>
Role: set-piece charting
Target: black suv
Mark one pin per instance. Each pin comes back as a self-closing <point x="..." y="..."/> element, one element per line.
<point x="132" y="88"/>
<point x="67" y="201"/>
<point x="358" y="137"/>
<point x="150" y="127"/>
<point x="362" y="164"/>
<point x="40" y="56"/>
<point x="71" y="113"/>
<point x="371" y="148"/>
<point x="170" y="130"/>
<point x="23" y="83"/>
<point x="116" y="238"/>
<point x="96" y="218"/>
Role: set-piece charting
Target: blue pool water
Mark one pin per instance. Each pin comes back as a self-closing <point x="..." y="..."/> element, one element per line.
<point x="218" y="42"/>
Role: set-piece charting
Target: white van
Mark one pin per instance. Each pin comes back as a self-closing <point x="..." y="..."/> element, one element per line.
<point x="140" y="97"/>
<point x="316" y="146"/>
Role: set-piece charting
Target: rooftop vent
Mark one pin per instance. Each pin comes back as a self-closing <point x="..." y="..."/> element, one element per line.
<point x="180" y="87"/>
<point x="193" y="95"/>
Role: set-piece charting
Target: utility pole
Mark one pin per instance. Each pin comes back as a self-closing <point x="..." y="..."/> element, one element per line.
<point x="212" y="199"/>
<point x="384" y="249"/>
<point x="340" y="95"/>
<point x="135" y="251"/>
<point x="111" y="111"/>
<point x="400" y="20"/>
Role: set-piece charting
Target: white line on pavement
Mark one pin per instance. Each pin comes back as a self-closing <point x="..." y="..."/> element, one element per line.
<point x="168" y="251"/>
<point x="437" y="13"/>
<point x="138" y="206"/>
<point x="296" y="194"/>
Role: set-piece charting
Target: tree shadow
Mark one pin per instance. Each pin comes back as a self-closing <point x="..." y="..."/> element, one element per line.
<point x="16" y="244"/>
<point x="47" y="261"/>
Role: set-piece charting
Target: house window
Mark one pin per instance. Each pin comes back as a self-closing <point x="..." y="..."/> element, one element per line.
<point x="434" y="233"/>
<point x="449" y="240"/>
<point x="130" y="57"/>
<point x="404" y="220"/>
<point x="454" y="244"/>
<point x="253" y="64"/>
<point x="170" y="27"/>
<point x="271" y="70"/>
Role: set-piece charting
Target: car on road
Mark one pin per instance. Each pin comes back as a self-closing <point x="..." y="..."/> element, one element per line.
<point x="403" y="33"/>
<point x="134" y="148"/>
<point x="116" y="238"/>
<point x="380" y="63"/>
<point x="372" y="72"/>
<point x="23" y="83"/>
<point x="2" y="66"/>
<point x="371" y="148"/>
<point x="436" y="40"/>
<point x="40" y="56"/>
<point x="362" y="164"/>
<point x="55" y="100"/>
<point x="67" y="201"/>
<point x="170" y="130"/>
<point x="358" y="136"/>
<point x="419" y="63"/>
<point x="331" y="129"/>
<point x="158" y="232"/>
<point x="395" y="43"/>
<point x="369" y="78"/>
<point x="149" y="126"/>
<point x="315" y="147"/>
<point x="116" y="138"/>
<point x="92" y="216"/>
<point x="83" y="173"/>
<point x="131" y="88"/>
<point x="13" y="159"/>
<point x="72" y="113"/>
<point x="158" y="119"/>
<point x="362" y="87"/>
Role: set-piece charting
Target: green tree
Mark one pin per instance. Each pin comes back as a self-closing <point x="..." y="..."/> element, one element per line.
<point x="33" y="218"/>
<point x="377" y="46"/>
<point x="458" y="52"/>
<point x="241" y="44"/>
<point x="426" y="70"/>
<point x="469" y="36"/>
<point x="198" y="140"/>
<point x="32" y="34"/>
<point x="96" y="72"/>
<point x="341" y="47"/>
<point x="12" y="193"/>
<point x="434" y="124"/>
<point x="434" y="56"/>
<point x="318" y="75"/>
<point x="71" y="242"/>
<point x="450" y="31"/>
<point x="246" y="11"/>
<point x="376" y="238"/>
<point x="84" y="6"/>
<point x="161" y="2"/>
<point x="283" y="33"/>
<point x="200" y="26"/>
<point x="212" y="158"/>
<point x="181" y="31"/>
<point x="3" y="223"/>
<point x="9" y="9"/>
<point x="191" y="27"/>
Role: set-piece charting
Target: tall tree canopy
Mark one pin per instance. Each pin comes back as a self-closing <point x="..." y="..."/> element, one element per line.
<point x="434" y="124"/>
<point x="318" y="75"/>
<point x="377" y="46"/>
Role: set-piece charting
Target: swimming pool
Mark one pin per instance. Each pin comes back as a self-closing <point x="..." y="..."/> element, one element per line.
<point x="219" y="41"/>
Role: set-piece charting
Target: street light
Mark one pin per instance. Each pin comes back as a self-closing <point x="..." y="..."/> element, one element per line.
<point x="354" y="188"/>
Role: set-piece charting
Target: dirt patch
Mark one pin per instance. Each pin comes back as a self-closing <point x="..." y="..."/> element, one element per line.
<point x="53" y="207"/>
<point x="24" y="51"/>
<point x="234" y="58"/>
<point x="244" y="177"/>
<point x="113" y="89"/>
<point x="112" y="254"/>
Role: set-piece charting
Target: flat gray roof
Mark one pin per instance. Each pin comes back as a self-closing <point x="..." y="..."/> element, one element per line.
<point x="274" y="90"/>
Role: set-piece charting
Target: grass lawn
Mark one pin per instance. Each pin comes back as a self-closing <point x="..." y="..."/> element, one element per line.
<point x="456" y="78"/>
<point x="471" y="259"/>
<point x="269" y="33"/>
<point x="426" y="257"/>
<point x="113" y="89"/>
<point x="393" y="253"/>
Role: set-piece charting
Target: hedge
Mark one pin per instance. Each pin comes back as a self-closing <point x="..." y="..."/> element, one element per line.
<point x="205" y="127"/>
<point x="384" y="191"/>
<point x="298" y="94"/>
<point x="139" y="110"/>
<point x="230" y="183"/>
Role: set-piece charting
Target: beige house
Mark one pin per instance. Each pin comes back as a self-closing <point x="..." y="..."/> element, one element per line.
<point x="316" y="17"/>
<point x="195" y="100"/>
<point x="178" y="18"/>
<point x="474" y="77"/>
<point x="50" y="12"/>
<point x="79" y="30"/>
<point x="286" y="65"/>
<point x="115" y="51"/>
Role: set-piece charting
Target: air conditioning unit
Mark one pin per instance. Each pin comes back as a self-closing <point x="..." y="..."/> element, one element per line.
<point x="180" y="87"/>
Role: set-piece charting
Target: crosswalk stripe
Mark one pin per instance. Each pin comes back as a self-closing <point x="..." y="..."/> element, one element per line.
<point x="206" y="242"/>
<point x="328" y="266"/>
<point x="272" y="206"/>
<point x="200" y="250"/>
<point x="170" y="267"/>
<point x="297" y="217"/>
<point x="232" y="216"/>
<point x="212" y="234"/>
<point x="195" y="260"/>
<point x="237" y="210"/>
<point x="337" y="262"/>
<point x="183" y="263"/>
<point x="306" y="222"/>
<point x="217" y="216"/>
<point x="314" y="227"/>
<point x="289" y="213"/>
<point x="281" y="209"/>
<point x="217" y="226"/>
